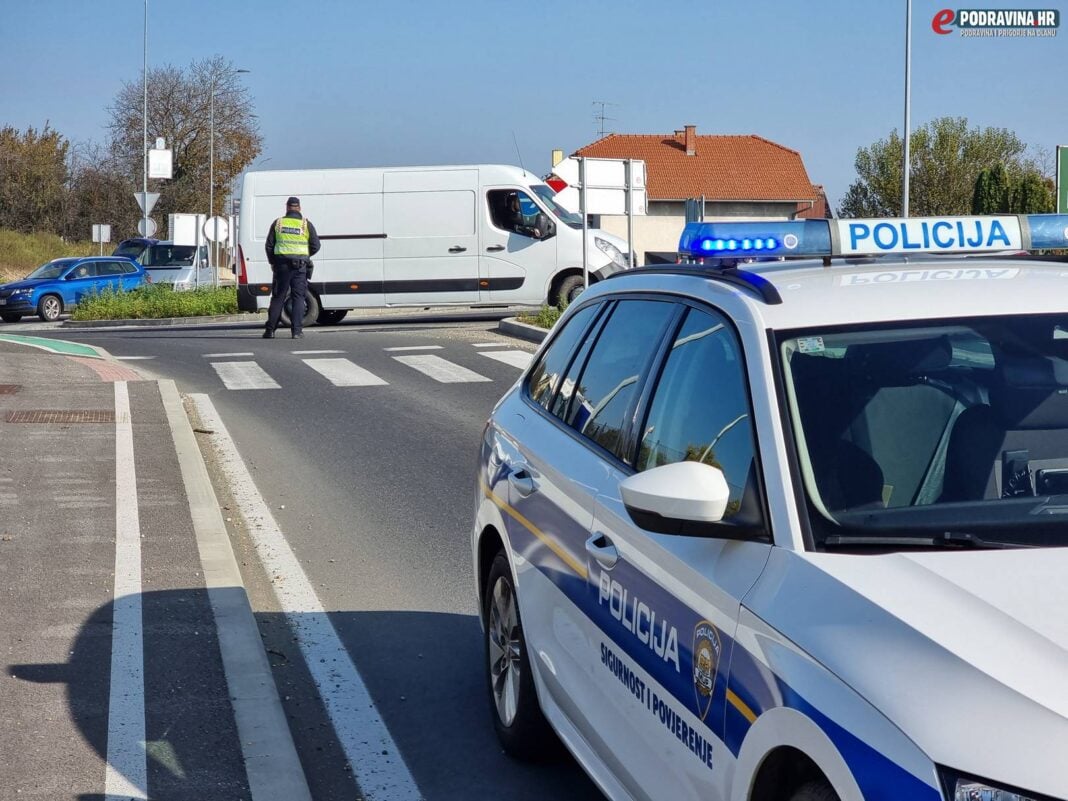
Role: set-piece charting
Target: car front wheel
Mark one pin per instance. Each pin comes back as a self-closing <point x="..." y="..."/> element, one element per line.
<point x="49" y="308"/>
<point x="521" y="727"/>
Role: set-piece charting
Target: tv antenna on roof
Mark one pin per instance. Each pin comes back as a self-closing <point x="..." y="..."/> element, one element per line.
<point x="599" y="116"/>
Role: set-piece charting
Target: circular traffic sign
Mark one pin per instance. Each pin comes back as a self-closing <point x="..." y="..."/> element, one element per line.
<point x="216" y="229"/>
<point x="150" y="230"/>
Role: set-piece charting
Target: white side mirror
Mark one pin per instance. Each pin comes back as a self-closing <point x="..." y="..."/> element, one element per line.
<point x="681" y="491"/>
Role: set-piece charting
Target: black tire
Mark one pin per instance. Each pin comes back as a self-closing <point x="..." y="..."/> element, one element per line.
<point x="568" y="290"/>
<point x="311" y="310"/>
<point x="331" y="316"/>
<point x="814" y="791"/>
<point x="49" y="308"/>
<point x="526" y="735"/>
<point x="10" y="318"/>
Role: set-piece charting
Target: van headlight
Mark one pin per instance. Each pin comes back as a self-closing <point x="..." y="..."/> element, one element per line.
<point x="611" y="251"/>
<point x="965" y="788"/>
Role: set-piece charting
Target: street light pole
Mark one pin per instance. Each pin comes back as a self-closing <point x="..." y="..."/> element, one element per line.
<point x="211" y="176"/>
<point x="144" y="126"/>
<point x="908" y="102"/>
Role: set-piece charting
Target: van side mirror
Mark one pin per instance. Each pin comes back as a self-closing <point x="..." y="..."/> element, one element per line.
<point x="545" y="226"/>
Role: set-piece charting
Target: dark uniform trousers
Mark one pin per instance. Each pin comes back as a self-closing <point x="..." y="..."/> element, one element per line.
<point x="290" y="277"/>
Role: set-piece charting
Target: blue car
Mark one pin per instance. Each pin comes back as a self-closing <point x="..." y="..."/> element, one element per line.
<point x="61" y="284"/>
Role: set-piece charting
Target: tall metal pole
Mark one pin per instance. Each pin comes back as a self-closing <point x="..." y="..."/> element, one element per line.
<point x="211" y="177"/>
<point x="908" y="103"/>
<point x="585" y="223"/>
<point x="144" y="125"/>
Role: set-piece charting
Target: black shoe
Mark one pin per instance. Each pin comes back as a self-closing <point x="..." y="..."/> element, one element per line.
<point x="268" y="334"/>
<point x="298" y="335"/>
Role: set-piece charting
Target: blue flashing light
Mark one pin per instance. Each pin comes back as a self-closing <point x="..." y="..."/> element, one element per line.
<point x="1048" y="231"/>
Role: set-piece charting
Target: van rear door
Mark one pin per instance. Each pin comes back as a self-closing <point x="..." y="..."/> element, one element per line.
<point x="431" y="249"/>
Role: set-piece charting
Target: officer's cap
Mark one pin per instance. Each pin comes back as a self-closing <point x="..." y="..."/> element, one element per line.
<point x="293" y="201"/>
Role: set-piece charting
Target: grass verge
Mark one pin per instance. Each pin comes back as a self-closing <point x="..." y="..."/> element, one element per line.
<point x="157" y="301"/>
<point x="21" y="253"/>
<point x="545" y="317"/>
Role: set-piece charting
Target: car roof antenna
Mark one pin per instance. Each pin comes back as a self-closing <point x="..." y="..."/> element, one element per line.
<point x="520" y="155"/>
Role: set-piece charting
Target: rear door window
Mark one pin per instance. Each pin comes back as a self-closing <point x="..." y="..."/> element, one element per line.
<point x="545" y="377"/>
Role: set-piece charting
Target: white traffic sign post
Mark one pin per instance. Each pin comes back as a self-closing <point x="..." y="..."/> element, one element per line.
<point x="146" y="226"/>
<point x="101" y="234"/>
<point x="604" y="186"/>
<point x="146" y="200"/>
<point x="216" y="229"/>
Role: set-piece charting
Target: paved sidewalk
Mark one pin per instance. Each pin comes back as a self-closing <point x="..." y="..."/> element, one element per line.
<point x="114" y="572"/>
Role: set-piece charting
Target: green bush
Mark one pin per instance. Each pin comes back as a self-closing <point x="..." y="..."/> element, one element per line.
<point x="20" y="254"/>
<point x="545" y="317"/>
<point x="156" y="301"/>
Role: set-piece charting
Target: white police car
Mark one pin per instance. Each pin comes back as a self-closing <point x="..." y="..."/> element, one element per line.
<point x="797" y="531"/>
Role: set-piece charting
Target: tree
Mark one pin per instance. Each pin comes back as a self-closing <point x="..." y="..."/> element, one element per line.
<point x="946" y="157"/>
<point x="179" y="103"/>
<point x="991" y="195"/>
<point x="33" y="176"/>
<point x="1033" y="194"/>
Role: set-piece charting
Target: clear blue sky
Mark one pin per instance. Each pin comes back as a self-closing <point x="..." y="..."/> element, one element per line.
<point x="403" y="82"/>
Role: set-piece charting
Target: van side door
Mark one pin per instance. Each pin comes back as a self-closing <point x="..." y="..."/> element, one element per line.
<point x="518" y="256"/>
<point x="431" y="246"/>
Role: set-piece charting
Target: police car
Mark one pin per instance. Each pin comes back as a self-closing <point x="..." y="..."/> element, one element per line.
<point x="792" y="530"/>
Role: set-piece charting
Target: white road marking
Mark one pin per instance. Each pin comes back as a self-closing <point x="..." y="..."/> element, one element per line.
<point x="415" y="347"/>
<point x="127" y="767"/>
<point x="244" y="375"/>
<point x="343" y="373"/>
<point x="516" y="358"/>
<point x="441" y="369"/>
<point x="135" y="358"/>
<point x="225" y="355"/>
<point x="377" y="764"/>
<point x="491" y="344"/>
<point x="311" y="352"/>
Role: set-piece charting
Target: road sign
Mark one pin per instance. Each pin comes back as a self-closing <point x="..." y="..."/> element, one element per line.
<point x="607" y="185"/>
<point x="101" y="233"/>
<point x="146" y="200"/>
<point x="1062" y="179"/>
<point x="216" y="229"/>
<point x="150" y="230"/>
<point x="160" y="164"/>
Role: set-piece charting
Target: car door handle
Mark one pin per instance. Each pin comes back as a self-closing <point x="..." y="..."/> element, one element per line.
<point x="494" y="248"/>
<point x="457" y="249"/>
<point x="522" y="482"/>
<point x="601" y="548"/>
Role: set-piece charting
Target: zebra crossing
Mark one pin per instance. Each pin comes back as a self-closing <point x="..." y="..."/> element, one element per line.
<point x="247" y="374"/>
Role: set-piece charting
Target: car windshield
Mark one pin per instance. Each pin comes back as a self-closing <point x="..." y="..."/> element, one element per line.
<point x="168" y="256"/>
<point x="958" y="427"/>
<point x="53" y="269"/>
<point x="547" y="196"/>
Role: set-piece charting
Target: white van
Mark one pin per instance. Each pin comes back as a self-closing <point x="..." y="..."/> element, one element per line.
<point x="184" y="266"/>
<point x="421" y="236"/>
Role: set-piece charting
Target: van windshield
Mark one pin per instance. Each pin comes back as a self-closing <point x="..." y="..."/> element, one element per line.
<point x="173" y="256"/>
<point x="547" y="196"/>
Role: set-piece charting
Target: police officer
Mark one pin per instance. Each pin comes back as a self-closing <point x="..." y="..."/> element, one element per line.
<point x="291" y="242"/>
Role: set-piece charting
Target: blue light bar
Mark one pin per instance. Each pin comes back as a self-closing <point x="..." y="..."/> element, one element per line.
<point x="873" y="237"/>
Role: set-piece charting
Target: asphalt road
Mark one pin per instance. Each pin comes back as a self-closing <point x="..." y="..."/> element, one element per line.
<point x="372" y="487"/>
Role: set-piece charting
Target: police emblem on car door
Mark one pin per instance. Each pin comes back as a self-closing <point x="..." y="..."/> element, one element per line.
<point x="706" y="653"/>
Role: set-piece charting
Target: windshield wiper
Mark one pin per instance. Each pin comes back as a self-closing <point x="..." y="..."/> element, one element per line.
<point x="947" y="539"/>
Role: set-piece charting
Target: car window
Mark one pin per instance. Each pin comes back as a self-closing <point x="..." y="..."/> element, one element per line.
<point x="610" y="380"/>
<point x="514" y="211"/>
<point x="87" y="270"/>
<point x="542" y="381"/>
<point x="700" y="407"/>
<point x="104" y="268"/>
<point x="128" y="268"/>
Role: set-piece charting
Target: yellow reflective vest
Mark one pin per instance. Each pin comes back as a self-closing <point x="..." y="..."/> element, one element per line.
<point x="290" y="237"/>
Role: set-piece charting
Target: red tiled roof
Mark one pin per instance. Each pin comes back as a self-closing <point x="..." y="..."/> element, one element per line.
<point x="723" y="167"/>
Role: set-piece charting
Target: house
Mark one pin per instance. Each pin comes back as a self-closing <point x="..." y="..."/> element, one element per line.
<point x="740" y="177"/>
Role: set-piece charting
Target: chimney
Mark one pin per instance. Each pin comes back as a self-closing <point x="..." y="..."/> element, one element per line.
<point x="691" y="140"/>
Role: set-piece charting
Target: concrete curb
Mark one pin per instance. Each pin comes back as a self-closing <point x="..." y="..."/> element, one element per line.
<point x="512" y="327"/>
<point x="271" y="762"/>
<point x="248" y="317"/>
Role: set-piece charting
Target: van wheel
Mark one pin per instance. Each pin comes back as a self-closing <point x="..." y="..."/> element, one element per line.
<point x="517" y="717"/>
<point x="568" y="289"/>
<point x="815" y="791"/>
<point x="49" y="308"/>
<point x="10" y="318"/>
<point x="331" y="316"/>
<point x="311" y="310"/>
